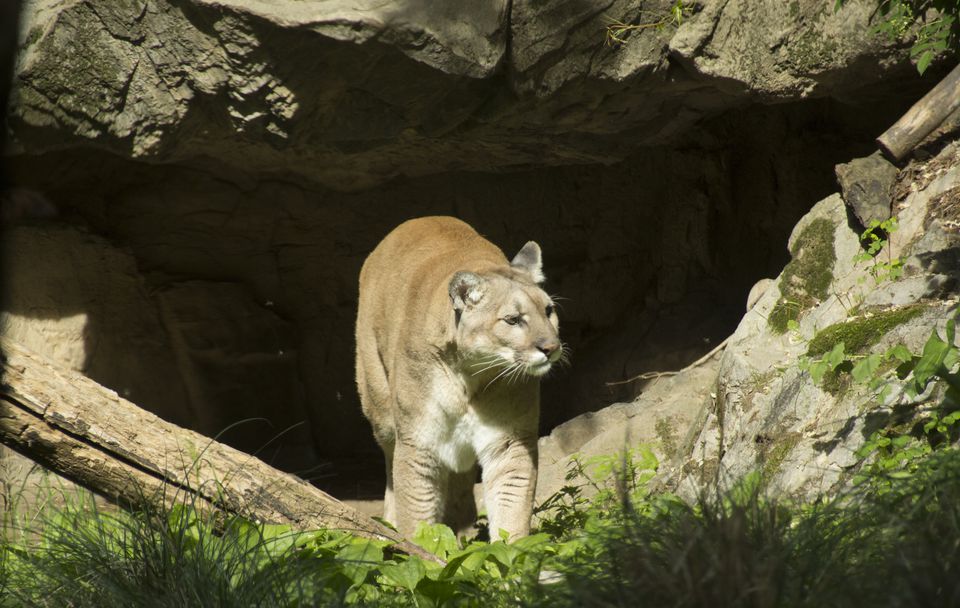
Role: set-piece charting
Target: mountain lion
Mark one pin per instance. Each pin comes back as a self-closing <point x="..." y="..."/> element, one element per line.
<point x="452" y="340"/>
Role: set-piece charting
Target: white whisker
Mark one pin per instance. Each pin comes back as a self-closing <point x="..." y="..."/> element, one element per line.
<point x="487" y="363"/>
<point x="494" y="365"/>
<point x="506" y="371"/>
<point x="486" y="360"/>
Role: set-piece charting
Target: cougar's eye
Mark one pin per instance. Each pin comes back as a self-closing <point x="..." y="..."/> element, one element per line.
<point x="549" y="310"/>
<point x="512" y="320"/>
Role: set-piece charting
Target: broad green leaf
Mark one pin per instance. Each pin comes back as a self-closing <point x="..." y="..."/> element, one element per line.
<point x="644" y="458"/>
<point x="866" y="368"/>
<point x="931" y="360"/>
<point x="836" y="356"/>
<point x="439" y="593"/>
<point x="436" y="538"/>
<point x="453" y="565"/>
<point x="951" y="418"/>
<point x="468" y="561"/>
<point x="359" y="558"/>
<point x="952" y="357"/>
<point x="503" y="553"/>
<point x="900" y="353"/>
<point x="534" y="542"/>
<point x="406" y="574"/>
<point x="901" y="441"/>
<point x="924" y="62"/>
<point x="817" y="370"/>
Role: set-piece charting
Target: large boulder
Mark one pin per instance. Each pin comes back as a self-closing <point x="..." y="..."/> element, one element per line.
<point x="768" y="413"/>
<point x="757" y="408"/>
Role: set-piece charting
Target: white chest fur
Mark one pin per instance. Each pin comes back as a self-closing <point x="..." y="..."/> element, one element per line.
<point x="457" y="434"/>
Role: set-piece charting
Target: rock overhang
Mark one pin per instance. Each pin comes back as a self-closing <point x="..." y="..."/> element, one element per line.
<point x="349" y="95"/>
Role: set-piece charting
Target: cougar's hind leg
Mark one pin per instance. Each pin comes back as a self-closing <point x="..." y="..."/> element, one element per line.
<point x="374" y="389"/>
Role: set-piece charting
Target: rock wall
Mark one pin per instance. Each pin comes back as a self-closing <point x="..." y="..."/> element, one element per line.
<point x="210" y="176"/>
<point x="754" y="407"/>
<point x="768" y="413"/>
<point x="352" y="94"/>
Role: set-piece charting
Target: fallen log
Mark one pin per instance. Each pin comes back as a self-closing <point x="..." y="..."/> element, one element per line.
<point x="921" y="119"/>
<point x="87" y="433"/>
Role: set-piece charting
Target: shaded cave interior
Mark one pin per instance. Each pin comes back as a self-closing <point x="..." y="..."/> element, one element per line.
<point x="225" y="301"/>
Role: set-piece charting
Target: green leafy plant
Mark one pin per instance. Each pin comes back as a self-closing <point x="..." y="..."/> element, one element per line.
<point x="876" y="238"/>
<point x="937" y="361"/>
<point x="895" y="548"/>
<point x="595" y="486"/>
<point x="931" y="25"/>
<point x="617" y="30"/>
<point x="895" y="453"/>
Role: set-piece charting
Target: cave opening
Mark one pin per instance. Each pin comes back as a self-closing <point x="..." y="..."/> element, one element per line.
<point x="225" y="301"/>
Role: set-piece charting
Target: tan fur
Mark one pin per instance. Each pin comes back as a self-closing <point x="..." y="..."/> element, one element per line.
<point x="451" y="341"/>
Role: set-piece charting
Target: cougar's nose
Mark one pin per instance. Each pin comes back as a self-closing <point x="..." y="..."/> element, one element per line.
<point x="548" y="347"/>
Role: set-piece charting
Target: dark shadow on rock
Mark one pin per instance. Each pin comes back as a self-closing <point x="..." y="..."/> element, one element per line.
<point x="828" y="446"/>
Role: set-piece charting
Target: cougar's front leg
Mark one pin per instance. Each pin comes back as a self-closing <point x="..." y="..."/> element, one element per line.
<point x="417" y="487"/>
<point x="509" y="483"/>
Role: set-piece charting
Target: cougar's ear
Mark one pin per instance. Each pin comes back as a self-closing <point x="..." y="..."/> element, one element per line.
<point x="466" y="288"/>
<point x="528" y="260"/>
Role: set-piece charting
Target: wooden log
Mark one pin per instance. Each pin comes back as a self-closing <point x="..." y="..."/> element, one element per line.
<point x="925" y="116"/>
<point x="88" y="434"/>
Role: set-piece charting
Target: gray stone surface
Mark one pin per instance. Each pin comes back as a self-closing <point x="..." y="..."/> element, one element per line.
<point x="867" y="187"/>
<point x="73" y="297"/>
<point x="756" y="409"/>
<point x="350" y="94"/>
<point x="662" y="418"/>
<point x="768" y="415"/>
<point x="238" y="360"/>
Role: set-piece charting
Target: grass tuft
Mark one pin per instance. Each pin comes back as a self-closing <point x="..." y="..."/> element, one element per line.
<point x="879" y="544"/>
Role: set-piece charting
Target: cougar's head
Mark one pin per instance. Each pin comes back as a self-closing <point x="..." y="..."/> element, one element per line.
<point x="506" y="325"/>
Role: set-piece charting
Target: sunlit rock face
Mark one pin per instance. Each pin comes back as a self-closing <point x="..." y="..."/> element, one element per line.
<point x="351" y="94"/>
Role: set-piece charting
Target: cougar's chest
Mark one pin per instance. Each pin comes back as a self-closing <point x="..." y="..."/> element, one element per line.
<point x="463" y="438"/>
<point x="456" y="433"/>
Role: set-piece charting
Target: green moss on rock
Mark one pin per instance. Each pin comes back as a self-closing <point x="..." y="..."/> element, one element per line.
<point x="773" y="453"/>
<point x="806" y="279"/>
<point x="667" y="436"/>
<point x="860" y="334"/>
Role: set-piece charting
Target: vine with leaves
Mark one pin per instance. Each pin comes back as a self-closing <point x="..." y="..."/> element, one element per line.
<point x="932" y="26"/>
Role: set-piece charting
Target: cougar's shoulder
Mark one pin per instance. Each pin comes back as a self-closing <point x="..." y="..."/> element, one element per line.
<point x="405" y="280"/>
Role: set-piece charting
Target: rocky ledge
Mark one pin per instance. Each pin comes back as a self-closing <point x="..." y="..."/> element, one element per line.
<point x="351" y="94"/>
